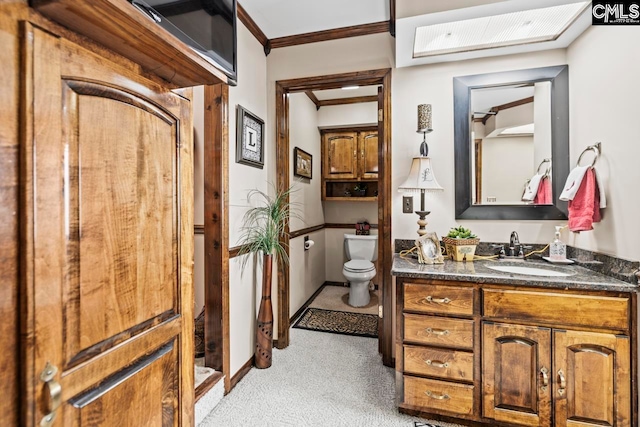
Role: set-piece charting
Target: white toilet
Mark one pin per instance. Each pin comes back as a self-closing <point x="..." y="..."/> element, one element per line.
<point x="359" y="270"/>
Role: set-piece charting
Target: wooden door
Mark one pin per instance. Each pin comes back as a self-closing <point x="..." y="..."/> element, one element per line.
<point x="108" y="246"/>
<point x="591" y="379"/>
<point x="341" y="149"/>
<point x="516" y="374"/>
<point x="368" y="142"/>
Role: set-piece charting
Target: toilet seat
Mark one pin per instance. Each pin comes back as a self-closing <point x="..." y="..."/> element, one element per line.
<point x="359" y="266"/>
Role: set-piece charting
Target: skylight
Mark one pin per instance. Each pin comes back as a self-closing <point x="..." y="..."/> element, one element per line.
<point x="509" y="29"/>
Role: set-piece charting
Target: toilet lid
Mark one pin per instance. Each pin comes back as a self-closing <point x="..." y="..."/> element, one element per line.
<point x="359" y="265"/>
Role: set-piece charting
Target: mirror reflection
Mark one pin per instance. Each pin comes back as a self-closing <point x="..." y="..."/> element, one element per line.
<point x="511" y="147"/>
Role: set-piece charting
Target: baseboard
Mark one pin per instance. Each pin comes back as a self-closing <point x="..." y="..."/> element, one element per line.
<point x="241" y="373"/>
<point x="306" y="304"/>
<point x="208" y="384"/>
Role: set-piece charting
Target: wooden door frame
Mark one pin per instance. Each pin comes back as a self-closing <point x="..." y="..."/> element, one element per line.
<point x="216" y="230"/>
<point x="385" y="249"/>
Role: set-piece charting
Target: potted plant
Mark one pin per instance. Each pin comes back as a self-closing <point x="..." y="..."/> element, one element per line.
<point x="360" y="189"/>
<point x="460" y="244"/>
<point x="263" y="228"/>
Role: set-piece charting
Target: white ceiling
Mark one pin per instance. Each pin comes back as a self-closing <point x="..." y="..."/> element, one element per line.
<point x="484" y="99"/>
<point x="279" y="18"/>
<point x="340" y="93"/>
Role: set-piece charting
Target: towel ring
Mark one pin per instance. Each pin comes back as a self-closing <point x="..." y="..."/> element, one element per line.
<point x="596" y="148"/>
<point x="546" y="173"/>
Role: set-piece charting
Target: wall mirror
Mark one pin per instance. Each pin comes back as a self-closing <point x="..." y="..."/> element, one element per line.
<point x="511" y="137"/>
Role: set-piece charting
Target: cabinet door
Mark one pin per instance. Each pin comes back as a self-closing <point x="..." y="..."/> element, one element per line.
<point x="516" y="365"/>
<point x="368" y="154"/>
<point x="591" y="379"/>
<point x="108" y="237"/>
<point x="341" y="150"/>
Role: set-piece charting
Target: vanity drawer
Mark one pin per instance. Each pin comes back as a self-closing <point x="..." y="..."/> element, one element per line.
<point x="556" y="308"/>
<point x="440" y="395"/>
<point x="438" y="299"/>
<point x="451" y="364"/>
<point x="438" y="331"/>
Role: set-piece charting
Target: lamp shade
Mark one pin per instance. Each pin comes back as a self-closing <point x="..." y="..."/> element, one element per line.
<point x="421" y="177"/>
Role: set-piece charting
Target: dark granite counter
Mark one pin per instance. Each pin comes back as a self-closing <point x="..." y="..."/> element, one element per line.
<point x="580" y="278"/>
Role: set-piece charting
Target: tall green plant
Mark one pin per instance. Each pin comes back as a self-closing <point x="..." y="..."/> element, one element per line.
<point x="264" y="225"/>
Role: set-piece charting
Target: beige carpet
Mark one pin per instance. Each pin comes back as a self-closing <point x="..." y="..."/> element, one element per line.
<point x="336" y="297"/>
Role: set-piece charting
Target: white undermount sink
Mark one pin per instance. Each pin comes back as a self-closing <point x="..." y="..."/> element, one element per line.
<point x="528" y="271"/>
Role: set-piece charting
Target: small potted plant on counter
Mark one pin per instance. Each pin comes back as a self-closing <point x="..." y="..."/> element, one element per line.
<point x="460" y="244"/>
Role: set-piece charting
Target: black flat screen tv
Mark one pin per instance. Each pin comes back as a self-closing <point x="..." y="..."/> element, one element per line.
<point x="207" y="26"/>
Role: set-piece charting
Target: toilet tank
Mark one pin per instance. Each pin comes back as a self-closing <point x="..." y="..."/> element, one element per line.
<point x="361" y="247"/>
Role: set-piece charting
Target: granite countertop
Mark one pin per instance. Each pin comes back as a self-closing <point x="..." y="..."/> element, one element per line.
<point x="478" y="272"/>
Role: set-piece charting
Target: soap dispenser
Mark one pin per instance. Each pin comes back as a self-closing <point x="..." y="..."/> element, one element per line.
<point x="557" y="249"/>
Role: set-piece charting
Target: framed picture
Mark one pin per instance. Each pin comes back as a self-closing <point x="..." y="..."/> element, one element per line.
<point x="302" y="163"/>
<point x="429" y="251"/>
<point x="249" y="138"/>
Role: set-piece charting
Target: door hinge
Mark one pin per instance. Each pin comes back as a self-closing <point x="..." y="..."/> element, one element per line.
<point x="380" y="311"/>
<point x="380" y="114"/>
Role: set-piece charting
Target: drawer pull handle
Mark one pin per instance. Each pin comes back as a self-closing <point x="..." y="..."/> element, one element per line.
<point x="563" y="382"/>
<point x="436" y="396"/>
<point x="545" y="378"/>
<point x="431" y="299"/>
<point x="437" y="364"/>
<point x="442" y="332"/>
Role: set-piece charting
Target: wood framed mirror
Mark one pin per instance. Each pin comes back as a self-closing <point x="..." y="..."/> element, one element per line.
<point x="508" y="126"/>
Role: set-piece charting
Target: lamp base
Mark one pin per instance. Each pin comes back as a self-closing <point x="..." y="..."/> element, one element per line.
<point x="422" y="222"/>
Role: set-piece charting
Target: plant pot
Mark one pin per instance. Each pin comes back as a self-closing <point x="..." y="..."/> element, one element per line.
<point x="460" y="249"/>
<point x="264" y="331"/>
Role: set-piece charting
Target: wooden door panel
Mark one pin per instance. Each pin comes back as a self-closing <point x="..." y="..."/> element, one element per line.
<point x="369" y="154"/>
<point x="108" y="198"/>
<point x="143" y="394"/>
<point x="341" y="151"/>
<point x="125" y="213"/>
<point x="513" y="385"/>
<point x="596" y="370"/>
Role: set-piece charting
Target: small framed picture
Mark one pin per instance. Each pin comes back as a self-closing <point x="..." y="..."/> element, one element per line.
<point x="429" y="251"/>
<point x="249" y="138"/>
<point x="302" y="163"/>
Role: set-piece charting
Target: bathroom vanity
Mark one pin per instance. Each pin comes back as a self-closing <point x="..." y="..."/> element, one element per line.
<point x="478" y="346"/>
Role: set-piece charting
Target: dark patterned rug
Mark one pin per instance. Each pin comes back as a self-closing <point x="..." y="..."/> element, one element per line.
<point x="338" y="322"/>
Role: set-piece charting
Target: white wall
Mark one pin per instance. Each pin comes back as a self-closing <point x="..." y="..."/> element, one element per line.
<point x="304" y="134"/>
<point x="603" y="100"/>
<point x="364" y="113"/>
<point x="507" y="164"/>
<point x="307" y="269"/>
<point x="433" y="84"/>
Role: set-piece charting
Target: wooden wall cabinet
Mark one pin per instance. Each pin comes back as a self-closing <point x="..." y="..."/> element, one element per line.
<point x="501" y="356"/>
<point x="349" y="156"/>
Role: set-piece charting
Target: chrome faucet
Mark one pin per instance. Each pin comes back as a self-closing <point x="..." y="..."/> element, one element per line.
<point x="514" y="241"/>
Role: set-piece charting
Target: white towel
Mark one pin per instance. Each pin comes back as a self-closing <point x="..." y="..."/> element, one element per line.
<point x="531" y="189"/>
<point x="574" y="180"/>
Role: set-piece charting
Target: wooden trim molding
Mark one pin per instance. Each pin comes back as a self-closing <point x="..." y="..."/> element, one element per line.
<point x="353" y="128"/>
<point x="343" y="101"/>
<point x="244" y="370"/>
<point x="304" y="231"/>
<point x="254" y="29"/>
<point x="392" y="17"/>
<point x="334" y="81"/>
<point x="506" y="106"/>
<point x="216" y="230"/>
<point x="333" y="34"/>
<point x="307" y="303"/>
<point x="198" y="229"/>
<point x="207" y="385"/>
<point x="313" y="98"/>
<point x="235" y="251"/>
